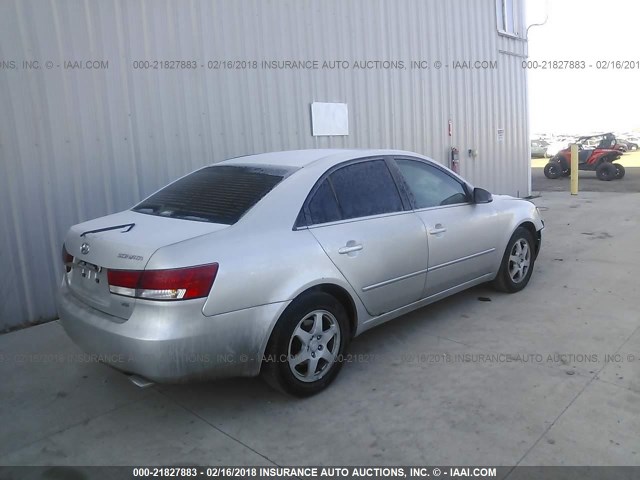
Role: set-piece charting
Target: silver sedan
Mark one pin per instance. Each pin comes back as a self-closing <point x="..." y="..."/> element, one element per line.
<point x="270" y="264"/>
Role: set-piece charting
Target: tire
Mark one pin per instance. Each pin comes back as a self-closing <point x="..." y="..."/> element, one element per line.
<point x="619" y="170"/>
<point x="552" y="170"/>
<point x="292" y="338"/>
<point x="517" y="262"/>
<point x="606" y="171"/>
<point x="565" y="167"/>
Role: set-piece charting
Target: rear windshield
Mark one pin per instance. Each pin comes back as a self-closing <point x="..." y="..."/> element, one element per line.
<point x="218" y="194"/>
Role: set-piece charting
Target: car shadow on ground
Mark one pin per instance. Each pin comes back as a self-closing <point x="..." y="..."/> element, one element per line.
<point x="387" y="341"/>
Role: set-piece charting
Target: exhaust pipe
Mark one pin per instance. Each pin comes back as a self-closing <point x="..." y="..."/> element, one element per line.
<point x="140" y="382"/>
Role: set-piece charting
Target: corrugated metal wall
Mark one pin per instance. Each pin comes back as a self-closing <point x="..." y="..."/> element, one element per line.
<point x="81" y="143"/>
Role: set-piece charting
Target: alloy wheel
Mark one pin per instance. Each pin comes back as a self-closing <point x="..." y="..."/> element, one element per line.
<point x="314" y="346"/>
<point x="519" y="260"/>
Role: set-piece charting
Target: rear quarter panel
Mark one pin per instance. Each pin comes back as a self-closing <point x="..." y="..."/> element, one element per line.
<point x="274" y="266"/>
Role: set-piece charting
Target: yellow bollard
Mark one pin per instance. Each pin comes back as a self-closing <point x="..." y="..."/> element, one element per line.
<point x="574" y="169"/>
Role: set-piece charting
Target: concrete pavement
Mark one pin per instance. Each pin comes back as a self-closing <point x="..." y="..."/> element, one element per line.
<point x="518" y="380"/>
<point x="588" y="181"/>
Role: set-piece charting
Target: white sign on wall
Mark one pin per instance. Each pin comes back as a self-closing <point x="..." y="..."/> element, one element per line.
<point x="500" y="135"/>
<point x="329" y="119"/>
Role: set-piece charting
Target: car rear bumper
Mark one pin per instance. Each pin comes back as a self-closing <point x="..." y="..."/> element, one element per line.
<point x="171" y="342"/>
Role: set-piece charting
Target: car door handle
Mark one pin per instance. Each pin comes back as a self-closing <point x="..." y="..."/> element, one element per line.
<point x="349" y="249"/>
<point x="437" y="229"/>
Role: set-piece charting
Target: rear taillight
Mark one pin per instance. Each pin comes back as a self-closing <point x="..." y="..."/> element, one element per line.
<point x="67" y="258"/>
<point x="173" y="284"/>
<point x="124" y="282"/>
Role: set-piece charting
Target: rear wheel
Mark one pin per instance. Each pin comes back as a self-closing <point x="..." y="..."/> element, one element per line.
<point x="619" y="170"/>
<point x="305" y="351"/>
<point x="606" y="171"/>
<point x="517" y="262"/>
<point x="564" y="167"/>
<point x="552" y="170"/>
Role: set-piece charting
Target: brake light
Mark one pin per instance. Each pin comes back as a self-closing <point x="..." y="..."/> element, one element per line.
<point x="172" y="284"/>
<point x="66" y="258"/>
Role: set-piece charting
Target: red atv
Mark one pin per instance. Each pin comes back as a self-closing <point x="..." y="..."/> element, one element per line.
<point x="595" y="152"/>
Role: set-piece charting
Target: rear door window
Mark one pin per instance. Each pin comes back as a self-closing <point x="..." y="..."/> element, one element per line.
<point x="323" y="206"/>
<point x="365" y="188"/>
<point x="218" y="194"/>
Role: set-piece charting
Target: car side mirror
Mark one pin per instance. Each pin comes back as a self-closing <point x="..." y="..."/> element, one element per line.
<point x="480" y="195"/>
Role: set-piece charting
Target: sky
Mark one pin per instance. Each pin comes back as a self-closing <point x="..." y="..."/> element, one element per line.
<point x="582" y="101"/>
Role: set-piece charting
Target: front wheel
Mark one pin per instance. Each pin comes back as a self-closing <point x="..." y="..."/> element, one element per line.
<point x="306" y="348"/>
<point x="517" y="262"/>
<point x="619" y="170"/>
<point x="606" y="171"/>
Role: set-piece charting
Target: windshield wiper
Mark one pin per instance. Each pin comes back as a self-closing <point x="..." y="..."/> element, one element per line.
<point x="99" y="230"/>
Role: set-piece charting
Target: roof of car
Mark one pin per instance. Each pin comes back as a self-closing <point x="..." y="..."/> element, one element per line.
<point x="302" y="158"/>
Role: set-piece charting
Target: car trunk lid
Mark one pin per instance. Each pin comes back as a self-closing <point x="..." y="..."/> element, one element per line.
<point x="122" y="241"/>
